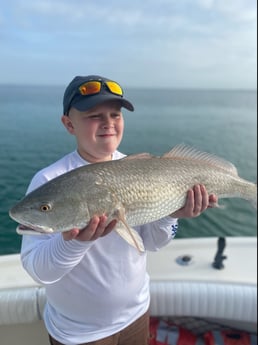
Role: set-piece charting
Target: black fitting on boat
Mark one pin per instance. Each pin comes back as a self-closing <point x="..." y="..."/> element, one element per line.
<point x="219" y="257"/>
<point x="184" y="260"/>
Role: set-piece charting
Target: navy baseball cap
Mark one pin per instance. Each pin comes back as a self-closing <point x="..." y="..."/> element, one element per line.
<point x="84" y="93"/>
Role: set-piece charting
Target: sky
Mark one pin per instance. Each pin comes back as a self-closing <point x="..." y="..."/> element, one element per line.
<point x="163" y="44"/>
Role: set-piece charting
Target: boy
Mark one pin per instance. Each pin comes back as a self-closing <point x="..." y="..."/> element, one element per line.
<point x="96" y="284"/>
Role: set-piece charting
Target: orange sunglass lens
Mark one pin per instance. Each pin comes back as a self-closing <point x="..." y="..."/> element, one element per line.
<point x="90" y="88"/>
<point x="114" y="87"/>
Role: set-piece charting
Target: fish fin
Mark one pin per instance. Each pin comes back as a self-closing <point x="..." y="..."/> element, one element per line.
<point x="126" y="232"/>
<point x="130" y="236"/>
<point x="143" y="155"/>
<point x="254" y="200"/>
<point x="216" y="205"/>
<point x="183" y="151"/>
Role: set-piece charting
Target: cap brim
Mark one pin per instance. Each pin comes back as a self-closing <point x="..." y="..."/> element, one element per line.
<point x="92" y="101"/>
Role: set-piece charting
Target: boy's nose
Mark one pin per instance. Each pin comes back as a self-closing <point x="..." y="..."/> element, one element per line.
<point x="108" y="122"/>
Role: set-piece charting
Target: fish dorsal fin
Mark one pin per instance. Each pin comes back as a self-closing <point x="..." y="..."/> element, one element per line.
<point x="143" y="155"/>
<point x="183" y="151"/>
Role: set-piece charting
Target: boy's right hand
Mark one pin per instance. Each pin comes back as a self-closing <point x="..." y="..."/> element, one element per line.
<point x="96" y="228"/>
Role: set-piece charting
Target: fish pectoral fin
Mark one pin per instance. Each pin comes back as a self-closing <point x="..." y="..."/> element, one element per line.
<point x="126" y="232"/>
<point x="130" y="236"/>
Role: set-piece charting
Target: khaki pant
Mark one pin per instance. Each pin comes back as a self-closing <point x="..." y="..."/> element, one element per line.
<point x="135" y="334"/>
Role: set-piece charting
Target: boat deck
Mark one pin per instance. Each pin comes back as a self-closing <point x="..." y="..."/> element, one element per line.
<point x="183" y="284"/>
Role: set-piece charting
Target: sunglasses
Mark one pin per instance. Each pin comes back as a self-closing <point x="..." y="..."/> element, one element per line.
<point x="94" y="87"/>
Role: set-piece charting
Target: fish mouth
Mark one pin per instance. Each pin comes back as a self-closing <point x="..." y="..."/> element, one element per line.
<point x="29" y="230"/>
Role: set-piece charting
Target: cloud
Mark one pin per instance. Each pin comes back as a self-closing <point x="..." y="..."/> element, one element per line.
<point x="197" y="41"/>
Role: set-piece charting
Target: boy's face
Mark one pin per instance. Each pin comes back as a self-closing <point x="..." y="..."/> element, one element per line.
<point x="98" y="130"/>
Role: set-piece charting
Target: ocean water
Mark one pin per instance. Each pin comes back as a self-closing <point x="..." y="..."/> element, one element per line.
<point x="218" y="121"/>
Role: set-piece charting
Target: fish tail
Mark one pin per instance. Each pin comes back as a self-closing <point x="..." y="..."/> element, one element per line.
<point x="251" y="194"/>
<point x="242" y="189"/>
<point x="254" y="200"/>
<point x="216" y="205"/>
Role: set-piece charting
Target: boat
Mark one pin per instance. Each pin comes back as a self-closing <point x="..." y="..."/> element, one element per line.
<point x="201" y="284"/>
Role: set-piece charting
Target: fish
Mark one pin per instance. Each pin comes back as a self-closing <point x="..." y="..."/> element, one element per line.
<point x="135" y="190"/>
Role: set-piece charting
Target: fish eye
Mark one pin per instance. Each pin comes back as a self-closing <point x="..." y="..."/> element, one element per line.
<point x="45" y="207"/>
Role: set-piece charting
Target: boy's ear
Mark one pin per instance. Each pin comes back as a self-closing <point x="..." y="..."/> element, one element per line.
<point x="68" y="124"/>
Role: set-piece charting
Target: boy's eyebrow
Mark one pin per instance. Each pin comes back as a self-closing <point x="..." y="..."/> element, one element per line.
<point x="91" y="113"/>
<point x="94" y="113"/>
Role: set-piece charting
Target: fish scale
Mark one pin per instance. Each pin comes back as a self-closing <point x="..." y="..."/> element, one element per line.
<point x="135" y="190"/>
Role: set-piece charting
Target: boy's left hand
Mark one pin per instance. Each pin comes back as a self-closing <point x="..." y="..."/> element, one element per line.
<point x="96" y="228"/>
<point x="198" y="200"/>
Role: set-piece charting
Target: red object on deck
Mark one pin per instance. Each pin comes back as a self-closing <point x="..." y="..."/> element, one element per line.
<point x="166" y="333"/>
<point x="227" y="337"/>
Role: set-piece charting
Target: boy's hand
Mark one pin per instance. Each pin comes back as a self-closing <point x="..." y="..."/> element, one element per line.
<point x="96" y="228"/>
<point x="198" y="200"/>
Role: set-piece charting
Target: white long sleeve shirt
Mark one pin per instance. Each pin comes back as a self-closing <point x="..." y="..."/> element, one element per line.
<point x="96" y="288"/>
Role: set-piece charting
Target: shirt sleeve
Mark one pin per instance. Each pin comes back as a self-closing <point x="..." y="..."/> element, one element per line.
<point x="159" y="233"/>
<point x="47" y="258"/>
